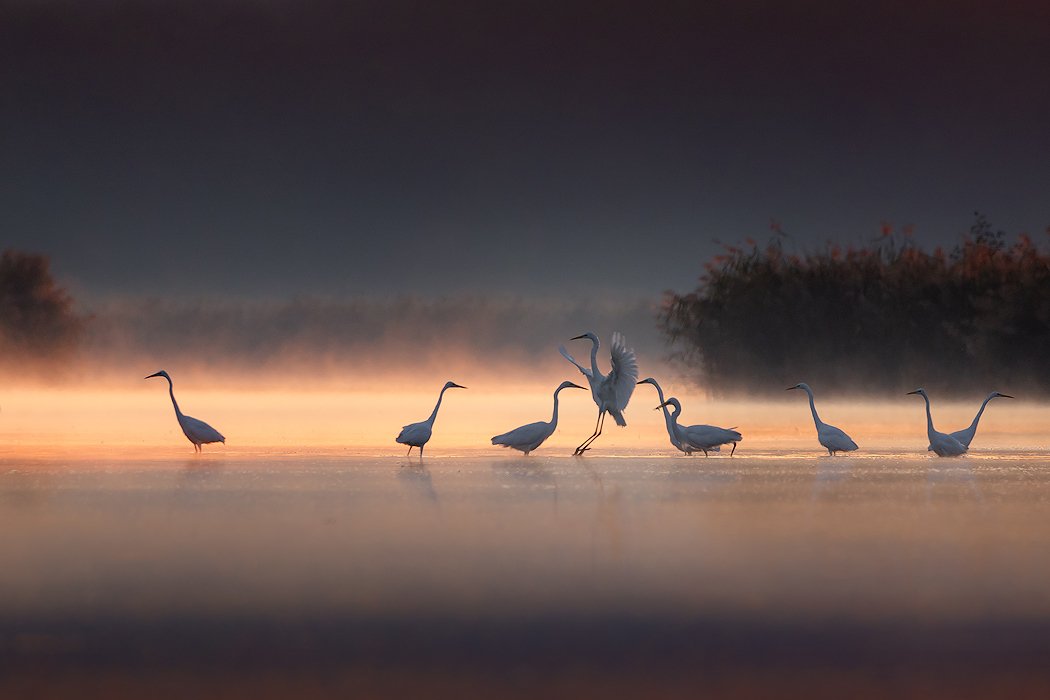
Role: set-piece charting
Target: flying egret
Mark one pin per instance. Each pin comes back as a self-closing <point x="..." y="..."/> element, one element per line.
<point x="965" y="436"/>
<point x="611" y="392"/>
<point x="196" y="431"/>
<point x="832" y="438"/>
<point x="700" y="437"/>
<point x="941" y="444"/>
<point x="671" y="433"/>
<point x="418" y="434"/>
<point x="528" y="437"/>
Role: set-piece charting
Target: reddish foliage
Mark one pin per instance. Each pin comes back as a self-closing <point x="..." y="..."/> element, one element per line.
<point x="885" y="317"/>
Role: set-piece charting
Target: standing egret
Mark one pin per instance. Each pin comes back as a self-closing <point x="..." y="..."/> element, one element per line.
<point x="611" y="392"/>
<point x="832" y="438"/>
<point x="965" y="436"/>
<point x="528" y="437"/>
<point x="941" y="444"/>
<point x="671" y="433"/>
<point x="700" y="437"/>
<point x="196" y="431"/>
<point x="418" y="434"/>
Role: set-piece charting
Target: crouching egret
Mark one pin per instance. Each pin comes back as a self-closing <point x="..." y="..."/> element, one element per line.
<point x="196" y="431"/>
<point x="965" y="436"/>
<point x="528" y="437"/>
<point x="832" y="438"/>
<point x="941" y="444"/>
<point x="611" y="392"/>
<point x="418" y="434"/>
<point x="700" y="437"/>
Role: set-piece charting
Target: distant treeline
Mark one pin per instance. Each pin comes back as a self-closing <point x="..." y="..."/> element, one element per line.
<point x="882" y="318"/>
<point x="37" y="320"/>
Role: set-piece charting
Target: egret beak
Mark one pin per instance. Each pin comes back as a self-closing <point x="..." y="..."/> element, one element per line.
<point x="665" y="403"/>
<point x="457" y="386"/>
<point x="912" y="392"/>
<point x="1006" y="396"/>
<point x="578" y="337"/>
<point x="790" y="388"/>
<point x="155" y="374"/>
<point x="577" y="386"/>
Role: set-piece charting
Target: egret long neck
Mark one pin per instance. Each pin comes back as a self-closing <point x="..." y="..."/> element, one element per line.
<point x="437" y="406"/>
<point x="667" y="415"/>
<point x="930" y="432"/>
<point x="171" y="392"/>
<point x="813" y="408"/>
<point x="976" y="419"/>
<point x="554" y="416"/>
<point x="672" y="422"/>
<point x="594" y="359"/>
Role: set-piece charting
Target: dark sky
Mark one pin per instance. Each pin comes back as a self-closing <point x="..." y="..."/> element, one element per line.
<point x="354" y="148"/>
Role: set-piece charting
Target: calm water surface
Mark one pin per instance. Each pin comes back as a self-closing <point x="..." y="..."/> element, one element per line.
<point x="275" y="573"/>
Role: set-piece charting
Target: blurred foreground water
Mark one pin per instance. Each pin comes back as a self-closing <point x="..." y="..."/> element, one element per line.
<point x="328" y="573"/>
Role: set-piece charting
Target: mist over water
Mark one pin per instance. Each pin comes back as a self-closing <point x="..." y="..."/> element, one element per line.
<point x="317" y="342"/>
<point x="309" y="546"/>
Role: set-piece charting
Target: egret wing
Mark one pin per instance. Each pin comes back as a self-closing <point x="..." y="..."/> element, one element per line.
<point x="964" y="436"/>
<point x="414" y="434"/>
<point x="570" y="358"/>
<point x="525" y="436"/>
<point x="709" y="436"/>
<point x="199" y="430"/>
<point x="836" y="438"/>
<point x="624" y="374"/>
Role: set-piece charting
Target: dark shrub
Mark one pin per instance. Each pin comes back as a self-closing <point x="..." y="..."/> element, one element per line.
<point x="882" y="318"/>
<point x="36" y="316"/>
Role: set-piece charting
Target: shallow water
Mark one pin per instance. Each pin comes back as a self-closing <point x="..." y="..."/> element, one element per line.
<point x="486" y="573"/>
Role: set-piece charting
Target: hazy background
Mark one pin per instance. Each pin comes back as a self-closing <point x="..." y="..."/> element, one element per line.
<point x="385" y="184"/>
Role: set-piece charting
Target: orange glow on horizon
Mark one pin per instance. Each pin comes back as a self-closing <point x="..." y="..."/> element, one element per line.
<point x="369" y="419"/>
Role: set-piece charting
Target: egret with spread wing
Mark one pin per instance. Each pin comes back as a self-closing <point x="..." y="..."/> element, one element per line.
<point x="965" y="436"/>
<point x="611" y="392"/>
<point x="832" y="438"/>
<point x="196" y="431"/>
<point x="700" y="437"/>
<point x="528" y="437"/>
<point x="941" y="444"/>
<point x="418" y="434"/>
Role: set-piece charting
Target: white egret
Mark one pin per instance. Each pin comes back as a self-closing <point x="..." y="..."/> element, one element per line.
<point x="418" y="434"/>
<point x="196" y="431"/>
<point x="700" y="437"/>
<point x="528" y="437"/>
<point x="671" y="433"/>
<point x="941" y="444"/>
<point x="611" y="392"/>
<point x="832" y="438"/>
<point x="965" y="436"/>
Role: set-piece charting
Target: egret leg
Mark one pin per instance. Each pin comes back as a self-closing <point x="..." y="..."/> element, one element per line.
<point x="409" y="451"/>
<point x="594" y="436"/>
<point x="731" y="452"/>
<point x="705" y="454"/>
<point x="597" y="430"/>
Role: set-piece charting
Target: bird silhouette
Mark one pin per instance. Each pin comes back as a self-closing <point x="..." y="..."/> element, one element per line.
<point x="610" y="392"/>
<point x="196" y="431"/>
